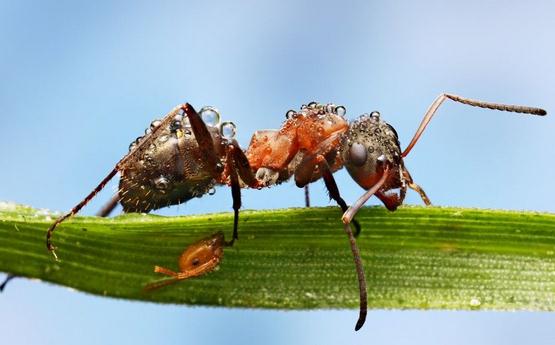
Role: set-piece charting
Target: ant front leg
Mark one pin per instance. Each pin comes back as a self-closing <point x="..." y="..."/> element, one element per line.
<point x="415" y="187"/>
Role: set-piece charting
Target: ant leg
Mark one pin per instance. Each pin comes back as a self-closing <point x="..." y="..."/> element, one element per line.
<point x="235" y="190"/>
<point x="472" y="102"/>
<point x="147" y="140"/>
<point x="238" y="166"/>
<point x="108" y="207"/>
<point x="6" y="280"/>
<point x="242" y="166"/>
<point x="203" y="137"/>
<point x="347" y="218"/>
<point x="420" y="191"/>
<point x="76" y="209"/>
<point x="306" y="196"/>
<point x="303" y="175"/>
<point x="415" y="187"/>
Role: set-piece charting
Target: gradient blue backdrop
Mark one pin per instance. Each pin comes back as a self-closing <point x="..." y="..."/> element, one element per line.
<point x="79" y="81"/>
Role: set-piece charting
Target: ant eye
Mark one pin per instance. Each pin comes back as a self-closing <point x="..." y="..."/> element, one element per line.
<point x="358" y="154"/>
<point x="195" y="261"/>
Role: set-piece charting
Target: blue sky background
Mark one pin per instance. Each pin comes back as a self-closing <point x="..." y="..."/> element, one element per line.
<point x="81" y="80"/>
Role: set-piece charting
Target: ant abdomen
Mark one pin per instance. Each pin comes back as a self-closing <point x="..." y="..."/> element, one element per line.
<point x="170" y="170"/>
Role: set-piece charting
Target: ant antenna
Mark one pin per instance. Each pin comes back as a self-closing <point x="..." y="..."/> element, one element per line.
<point x="347" y="218"/>
<point x="472" y="102"/>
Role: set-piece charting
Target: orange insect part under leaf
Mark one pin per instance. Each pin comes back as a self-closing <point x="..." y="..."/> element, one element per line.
<point x="198" y="259"/>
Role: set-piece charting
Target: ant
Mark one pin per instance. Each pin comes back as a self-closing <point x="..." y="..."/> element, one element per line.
<point x="180" y="158"/>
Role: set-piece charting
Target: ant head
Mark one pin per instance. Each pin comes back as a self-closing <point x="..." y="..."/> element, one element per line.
<point x="202" y="252"/>
<point x="367" y="146"/>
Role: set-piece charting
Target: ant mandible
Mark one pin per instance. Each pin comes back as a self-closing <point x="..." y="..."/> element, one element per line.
<point x="175" y="162"/>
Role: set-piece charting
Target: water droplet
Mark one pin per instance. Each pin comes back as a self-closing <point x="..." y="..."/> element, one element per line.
<point x="228" y="130"/>
<point x="132" y="146"/>
<point x="148" y="131"/>
<point x="162" y="184"/>
<point x="212" y="191"/>
<point x="381" y="159"/>
<point x="303" y="107"/>
<point x="163" y="138"/>
<point x="312" y="105"/>
<point x="340" y="110"/>
<point x="330" y="108"/>
<point x="155" y="124"/>
<point x="210" y="116"/>
<point x="290" y="114"/>
<point x="175" y="125"/>
<point x="370" y="149"/>
<point x="138" y="140"/>
<point x="475" y="302"/>
<point x="375" y="115"/>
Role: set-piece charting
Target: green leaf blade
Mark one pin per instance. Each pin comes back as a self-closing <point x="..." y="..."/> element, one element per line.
<point x="416" y="257"/>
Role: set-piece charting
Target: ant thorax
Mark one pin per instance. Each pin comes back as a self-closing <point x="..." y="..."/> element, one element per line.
<point x="276" y="155"/>
<point x="171" y="168"/>
<point x="370" y="143"/>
